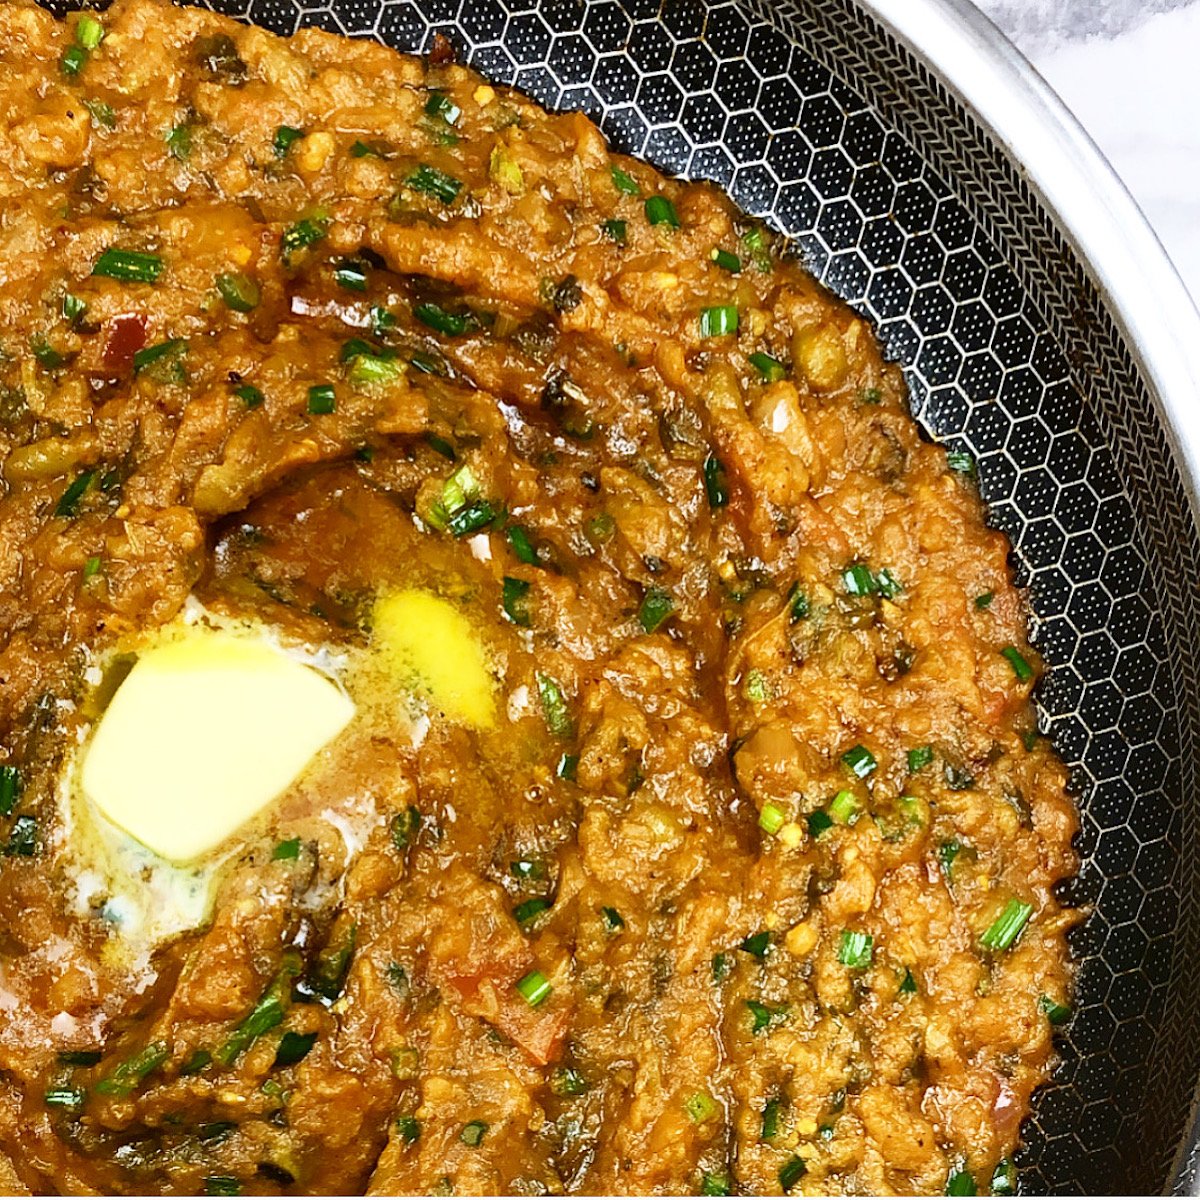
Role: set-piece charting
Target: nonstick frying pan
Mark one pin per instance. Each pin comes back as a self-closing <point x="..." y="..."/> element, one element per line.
<point x="929" y="179"/>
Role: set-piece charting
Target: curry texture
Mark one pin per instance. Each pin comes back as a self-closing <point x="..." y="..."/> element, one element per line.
<point x="762" y="826"/>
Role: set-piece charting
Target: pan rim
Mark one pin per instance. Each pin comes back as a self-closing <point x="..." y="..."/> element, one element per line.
<point x="1081" y="191"/>
<point x="1109" y="234"/>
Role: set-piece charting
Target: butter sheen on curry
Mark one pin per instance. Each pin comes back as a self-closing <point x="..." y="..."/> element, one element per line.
<point x="691" y="831"/>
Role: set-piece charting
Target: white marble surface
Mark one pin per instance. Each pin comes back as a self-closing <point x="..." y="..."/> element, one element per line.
<point x="1129" y="70"/>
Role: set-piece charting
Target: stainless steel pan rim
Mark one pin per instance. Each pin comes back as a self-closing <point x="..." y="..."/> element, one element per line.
<point x="1078" y="186"/>
<point x="1110" y="235"/>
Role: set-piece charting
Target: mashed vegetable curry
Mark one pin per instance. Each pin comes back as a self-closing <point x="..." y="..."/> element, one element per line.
<point x="691" y="833"/>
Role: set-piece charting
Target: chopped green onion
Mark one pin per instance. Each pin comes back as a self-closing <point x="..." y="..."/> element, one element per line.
<point x="763" y="1015"/>
<point x="715" y="1183"/>
<point x="726" y="261"/>
<point x="213" y="1133"/>
<point x="249" y="395"/>
<point x="409" y="1128"/>
<point x="522" y="545"/>
<point x="1056" y="1014"/>
<point x="770" y="369"/>
<point x="554" y="706"/>
<point x="1007" y="927"/>
<point x="701" y="1107"/>
<point x="266" y="1014"/>
<point x="757" y="689"/>
<point x="285" y="136"/>
<point x="568" y="766"/>
<point x="45" y="353"/>
<point x="89" y="33"/>
<point x="1004" y="1178"/>
<point x="22" y="838"/>
<point x="535" y="988"/>
<point x="624" y="182"/>
<point x="612" y="919"/>
<point x="656" y="607"/>
<point x="471" y="518"/>
<point x="888" y="584"/>
<point x="72" y="308"/>
<point x="293" y="1047"/>
<point x="792" y="1172"/>
<point x="356" y="347"/>
<point x="948" y="851"/>
<point x="755" y="245"/>
<point x="964" y="464"/>
<point x="68" y="1099"/>
<point x="515" y="593"/>
<point x="304" y="233"/>
<point x="984" y="601"/>
<point x="196" y="1062"/>
<point x="530" y="909"/>
<point x="960" y="1183"/>
<point x="844" y="808"/>
<point x="908" y="985"/>
<point x="436" y="317"/>
<point x="919" y="757"/>
<point x="798" y="605"/>
<point x="222" y="1185"/>
<point x="660" y="211"/>
<point x="406" y="1062"/>
<point x="1018" y="662"/>
<point x="322" y="399"/>
<point x="716" y="485"/>
<point x="860" y="760"/>
<point x="440" y="106"/>
<point x="179" y="142"/>
<point x="101" y="113"/>
<point x="871" y="395"/>
<point x="567" y="1081"/>
<point x="819" y="822"/>
<point x="719" y="321"/>
<point x="504" y="169"/>
<point x="73" y="61"/>
<point x="855" y="949"/>
<point x="382" y="321"/>
<point x="616" y="231"/>
<point x="435" y="183"/>
<point x="771" y="818"/>
<point x="772" y="1112"/>
<point x="361" y="149"/>
<point x="374" y="370"/>
<point x="286" y="851"/>
<point x="164" y="358"/>
<point x="859" y="581"/>
<point x="351" y="274"/>
<point x="10" y="788"/>
<point x="133" y="1070"/>
<point x="68" y="502"/>
<point x="473" y="1133"/>
<point x="239" y="291"/>
<point x="757" y="944"/>
<point x="129" y="266"/>
<point x="405" y="827"/>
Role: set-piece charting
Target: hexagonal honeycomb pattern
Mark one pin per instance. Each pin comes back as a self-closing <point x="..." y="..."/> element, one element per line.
<point x="902" y="206"/>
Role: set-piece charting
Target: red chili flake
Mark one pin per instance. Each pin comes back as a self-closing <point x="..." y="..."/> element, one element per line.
<point x="126" y="336"/>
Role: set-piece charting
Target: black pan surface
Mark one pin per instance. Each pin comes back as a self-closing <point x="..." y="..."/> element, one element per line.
<point x="810" y="115"/>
